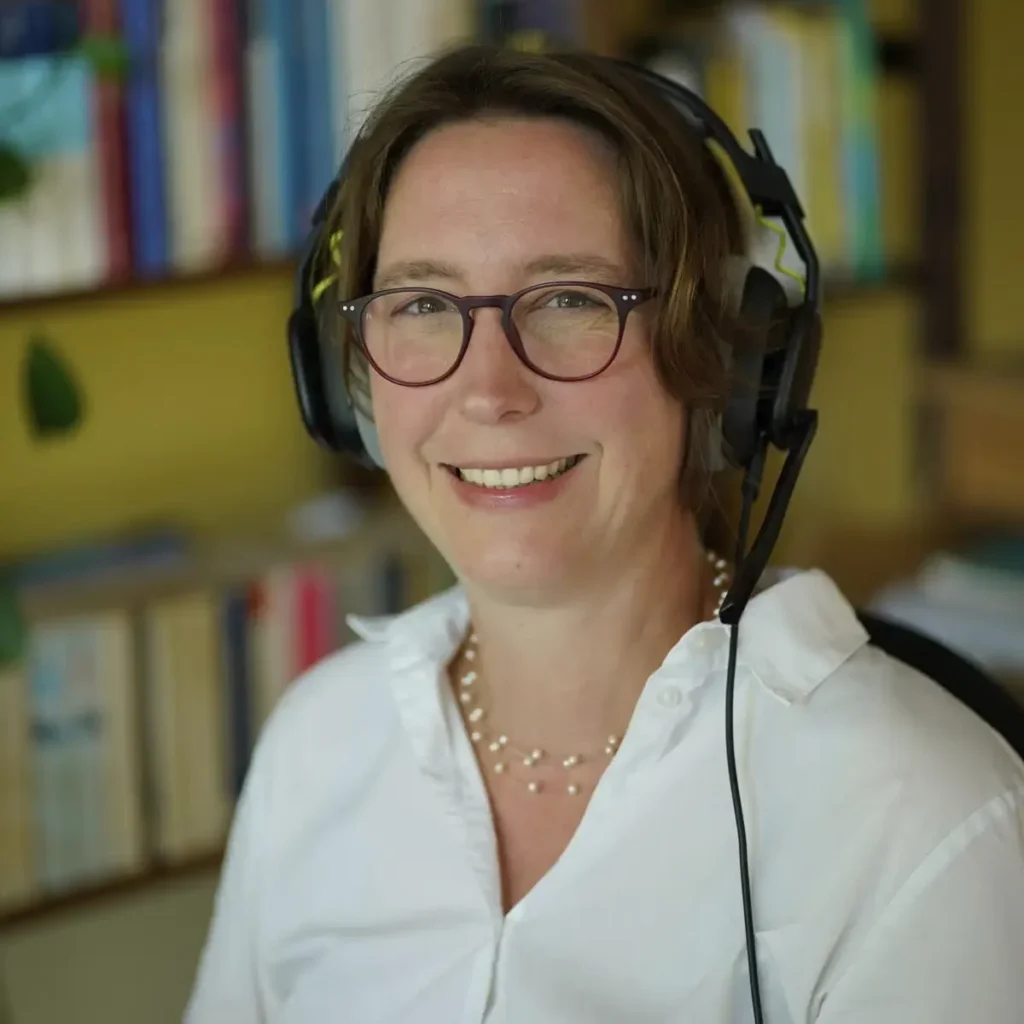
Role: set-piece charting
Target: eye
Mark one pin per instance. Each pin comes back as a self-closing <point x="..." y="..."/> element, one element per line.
<point x="570" y="300"/>
<point x="420" y="305"/>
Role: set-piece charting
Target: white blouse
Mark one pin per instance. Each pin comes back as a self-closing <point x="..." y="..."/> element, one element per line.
<point x="885" y="827"/>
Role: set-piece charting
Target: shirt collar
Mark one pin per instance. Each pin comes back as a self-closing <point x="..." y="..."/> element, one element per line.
<point x="430" y="630"/>
<point x="795" y="632"/>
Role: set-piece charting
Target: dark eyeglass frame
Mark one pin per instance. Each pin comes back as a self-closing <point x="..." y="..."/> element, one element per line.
<point x="625" y="299"/>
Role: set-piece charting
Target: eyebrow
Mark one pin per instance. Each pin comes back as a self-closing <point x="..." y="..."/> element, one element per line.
<point x="560" y="265"/>
<point x="572" y="264"/>
<point x="414" y="271"/>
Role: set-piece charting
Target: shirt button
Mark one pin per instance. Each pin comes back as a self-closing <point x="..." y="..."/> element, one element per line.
<point x="670" y="697"/>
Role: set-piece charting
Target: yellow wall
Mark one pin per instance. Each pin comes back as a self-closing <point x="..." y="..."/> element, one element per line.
<point x="190" y="414"/>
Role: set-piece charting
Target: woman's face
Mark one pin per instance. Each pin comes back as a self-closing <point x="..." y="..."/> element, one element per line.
<point x="494" y="207"/>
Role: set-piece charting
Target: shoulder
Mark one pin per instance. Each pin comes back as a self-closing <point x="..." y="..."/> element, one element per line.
<point x="343" y="719"/>
<point x="347" y="685"/>
<point x="872" y="790"/>
<point x="328" y="721"/>
<point x="871" y="753"/>
<point x="354" y="689"/>
<point x="317" y="755"/>
<point x="844" y="696"/>
<point x="917" y="731"/>
<point x="915" y="844"/>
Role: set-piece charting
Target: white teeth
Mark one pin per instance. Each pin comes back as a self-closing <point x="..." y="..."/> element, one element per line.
<point x="502" y="479"/>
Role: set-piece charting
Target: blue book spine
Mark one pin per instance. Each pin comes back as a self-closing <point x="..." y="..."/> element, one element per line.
<point x="238" y="680"/>
<point x="319" y="120"/>
<point x="291" y="115"/>
<point x="141" y="26"/>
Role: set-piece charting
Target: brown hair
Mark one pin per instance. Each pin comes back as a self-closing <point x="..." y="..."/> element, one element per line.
<point x="675" y="197"/>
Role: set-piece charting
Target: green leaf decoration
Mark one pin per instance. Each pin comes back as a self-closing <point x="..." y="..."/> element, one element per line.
<point x="107" y="56"/>
<point x="12" y="625"/>
<point x="53" y="400"/>
<point x="15" y="172"/>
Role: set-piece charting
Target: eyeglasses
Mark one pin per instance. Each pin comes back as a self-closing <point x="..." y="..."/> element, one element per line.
<point x="561" y="330"/>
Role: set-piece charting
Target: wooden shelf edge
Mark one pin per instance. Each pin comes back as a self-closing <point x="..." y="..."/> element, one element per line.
<point x="978" y="381"/>
<point x="236" y="270"/>
<point x="898" y="276"/>
<point x="49" y="906"/>
<point x="384" y="524"/>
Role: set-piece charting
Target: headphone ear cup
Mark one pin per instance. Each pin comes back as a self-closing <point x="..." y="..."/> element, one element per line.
<point x="763" y="307"/>
<point x="311" y="388"/>
<point x="796" y="375"/>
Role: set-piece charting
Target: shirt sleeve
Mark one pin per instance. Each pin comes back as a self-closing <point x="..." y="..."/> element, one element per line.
<point x="226" y="985"/>
<point x="950" y="946"/>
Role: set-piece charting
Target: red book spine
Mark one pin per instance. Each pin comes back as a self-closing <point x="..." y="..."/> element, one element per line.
<point x="228" y="83"/>
<point x="316" y="611"/>
<point x="108" y="110"/>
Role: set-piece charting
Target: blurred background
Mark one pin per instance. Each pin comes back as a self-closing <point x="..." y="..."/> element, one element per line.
<point x="173" y="549"/>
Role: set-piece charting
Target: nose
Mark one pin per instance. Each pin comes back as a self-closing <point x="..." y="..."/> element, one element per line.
<point x="494" y="386"/>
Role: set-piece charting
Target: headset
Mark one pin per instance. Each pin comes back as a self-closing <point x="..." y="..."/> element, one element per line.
<point x="767" y="407"/>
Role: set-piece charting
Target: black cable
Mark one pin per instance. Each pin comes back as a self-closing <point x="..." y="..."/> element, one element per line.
<point x="750" y="488"/>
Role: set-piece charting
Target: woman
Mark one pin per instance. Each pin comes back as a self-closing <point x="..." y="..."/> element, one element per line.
<point x="510" y="804"/>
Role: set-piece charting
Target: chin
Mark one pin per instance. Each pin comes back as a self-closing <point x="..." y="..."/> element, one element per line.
<point x="529" y="554"/>
<point x="517" y="576"/>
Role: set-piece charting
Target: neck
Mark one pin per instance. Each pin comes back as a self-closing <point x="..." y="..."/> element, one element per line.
<point x="566" y="676"/>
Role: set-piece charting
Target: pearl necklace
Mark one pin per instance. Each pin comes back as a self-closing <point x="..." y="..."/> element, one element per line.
<point x="504" y="753"/>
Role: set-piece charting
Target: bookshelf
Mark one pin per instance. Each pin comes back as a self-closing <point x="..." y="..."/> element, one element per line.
<point x="896" y="53"/>
<point x="241" y="267"/>
<point x="116" y="887"/>
<point x="381" y="566"/>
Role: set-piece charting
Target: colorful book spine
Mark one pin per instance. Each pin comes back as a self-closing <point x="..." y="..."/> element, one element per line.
<point x="108" y="104"/>
<point x="147" y="164"/>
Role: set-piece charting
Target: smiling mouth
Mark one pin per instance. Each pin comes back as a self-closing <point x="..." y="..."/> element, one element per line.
<point x="510" y="478"/>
